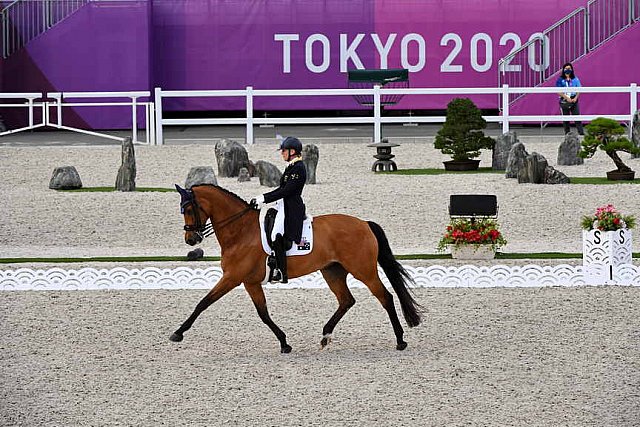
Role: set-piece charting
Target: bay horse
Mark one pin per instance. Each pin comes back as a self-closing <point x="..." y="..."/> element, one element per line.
<point x="342" y="244"/>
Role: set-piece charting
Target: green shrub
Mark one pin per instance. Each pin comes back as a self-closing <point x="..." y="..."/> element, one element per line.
<point x="461" y="136"/>
<point x="608" y="136"/>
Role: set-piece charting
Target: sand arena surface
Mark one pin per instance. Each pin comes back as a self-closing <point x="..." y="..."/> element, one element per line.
<point x="38" y="222"/>
<point x="508" y="357"/>
<point x="499" y="357"/>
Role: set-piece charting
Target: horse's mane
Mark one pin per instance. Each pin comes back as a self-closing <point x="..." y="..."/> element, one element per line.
<point x="224" y="190"/>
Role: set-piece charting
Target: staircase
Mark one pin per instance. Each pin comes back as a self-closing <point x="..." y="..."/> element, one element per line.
<point x="24" y="20"/>
<point x="581" y="32"/>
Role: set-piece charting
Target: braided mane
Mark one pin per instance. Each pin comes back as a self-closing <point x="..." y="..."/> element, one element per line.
<point x="224" y="190"/>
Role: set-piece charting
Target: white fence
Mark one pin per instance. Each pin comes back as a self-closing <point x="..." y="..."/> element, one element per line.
<point x="249" y="121"/>
<point x="155" y="121"/>
<point x="435" y="276"/>
<point x="56" y="101"/>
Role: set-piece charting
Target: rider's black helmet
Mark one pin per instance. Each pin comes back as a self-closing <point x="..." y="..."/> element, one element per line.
<point x="293" y="143"/>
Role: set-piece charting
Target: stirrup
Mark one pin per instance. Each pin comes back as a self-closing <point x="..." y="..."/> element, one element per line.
<point x="277" y="276"/>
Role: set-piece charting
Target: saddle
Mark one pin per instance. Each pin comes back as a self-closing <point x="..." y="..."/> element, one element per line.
<point x="304" y="247"/>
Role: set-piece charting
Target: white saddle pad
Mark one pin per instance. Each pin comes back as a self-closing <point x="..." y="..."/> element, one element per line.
<point x="306" y="242"/>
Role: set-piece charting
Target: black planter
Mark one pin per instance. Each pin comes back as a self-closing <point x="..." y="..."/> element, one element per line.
<point x="620" y="176"/>
<point x="461" y="165"/>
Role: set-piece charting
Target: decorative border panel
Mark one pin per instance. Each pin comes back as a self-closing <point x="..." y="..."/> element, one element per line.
<point x="467" y="276"/>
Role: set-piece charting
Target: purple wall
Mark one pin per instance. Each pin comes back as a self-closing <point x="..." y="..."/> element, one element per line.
<point x="231" y="44"/>
<point x="101" y="47"/>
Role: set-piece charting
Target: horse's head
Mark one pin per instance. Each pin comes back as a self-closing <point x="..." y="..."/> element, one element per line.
<point x="195" y="219"/>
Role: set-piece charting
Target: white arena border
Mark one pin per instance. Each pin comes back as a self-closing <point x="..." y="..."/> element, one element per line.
<point x="436" y="276"/>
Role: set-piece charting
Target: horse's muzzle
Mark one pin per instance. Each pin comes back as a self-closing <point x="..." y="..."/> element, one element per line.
<point x="192" y="238"/>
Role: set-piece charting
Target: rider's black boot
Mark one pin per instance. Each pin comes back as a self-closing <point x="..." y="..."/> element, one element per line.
<point x="279" y="246"/>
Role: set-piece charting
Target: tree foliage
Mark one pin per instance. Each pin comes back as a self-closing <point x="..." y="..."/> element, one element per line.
<point x="607" y="135"/>
<point x="461" y="136"/>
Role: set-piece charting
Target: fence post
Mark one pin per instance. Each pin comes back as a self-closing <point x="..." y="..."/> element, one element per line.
<point x="587" y="31"/>
<point x="505" y="109"/>
<point x="134" y="119"/>
<point x="377" y="131"/>
<point x="249" y="137"/>
<point x="633" y="106"/>
<point x="158" y="103"/>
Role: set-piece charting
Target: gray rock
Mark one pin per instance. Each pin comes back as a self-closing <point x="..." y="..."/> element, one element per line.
<point x="533" y="169"/>
<point x="635" y="131"/>
<point x="310" y="156"/>
<point x="243" y="175"/>
<point x="568" y="150"/>
<point x="126" y="178"/>
<point x="268" y="173"/>
<point x="554" y="176"/>
<point x="231" y="156"/>
<point x="515" y="160"/>
<point x="65" y="178"/>
<point x="501" y="149"/>
<point x="200" y="175"/>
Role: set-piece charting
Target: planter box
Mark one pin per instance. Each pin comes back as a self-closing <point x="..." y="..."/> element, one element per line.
<point x="604" y="250"/>
<point x="472" y="252"/>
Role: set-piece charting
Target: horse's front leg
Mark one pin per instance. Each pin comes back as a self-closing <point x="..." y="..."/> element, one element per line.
<point x="259" y="300"/>
<point x="224" y="285"/>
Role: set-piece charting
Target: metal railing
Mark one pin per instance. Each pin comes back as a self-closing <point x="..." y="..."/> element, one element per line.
<point x="249" y="121"/>
<point x="28" y="101"/>
<point x="606" y="18"/>
<point x="575" y="35"/>
<point x="24" y="20"/>
<point x="48" y="108"/>
<point x="91" y="100"/>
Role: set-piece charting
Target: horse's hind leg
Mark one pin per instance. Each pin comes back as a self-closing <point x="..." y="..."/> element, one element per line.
<point x="336" y="277"/>
<point x="378" y="290"/>
<point x="223" y="286"/>
<point x="259" y="300"/>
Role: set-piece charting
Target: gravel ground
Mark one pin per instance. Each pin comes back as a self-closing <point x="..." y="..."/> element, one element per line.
<point x="507" y="357"/>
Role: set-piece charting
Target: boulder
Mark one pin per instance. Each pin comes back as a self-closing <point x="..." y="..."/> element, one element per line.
<point x="533" y="169"/>
<point x="231" y="157"/>
<point x="515" y="160"/>
<point x="126" y="178"/>
<point x="501" y="149"/>
<point x="200" y="175"/>
<point x="568" y="150"/>
<point x="268" y="173"/>
<point x="65" y="178"/>
<point x="310" y="156"/>
<point x="243" y="175"/>
<point x="554" y="176"/>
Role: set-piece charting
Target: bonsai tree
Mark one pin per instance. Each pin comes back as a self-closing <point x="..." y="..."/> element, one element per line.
<point x="461" y="135"/>
<point x="607" y="135"/>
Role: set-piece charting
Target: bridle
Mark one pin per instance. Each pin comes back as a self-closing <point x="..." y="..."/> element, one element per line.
<point x="205" y="229"/>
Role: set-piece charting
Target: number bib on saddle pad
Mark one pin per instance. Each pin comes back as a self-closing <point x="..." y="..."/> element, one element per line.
<point x="306" y="242"/>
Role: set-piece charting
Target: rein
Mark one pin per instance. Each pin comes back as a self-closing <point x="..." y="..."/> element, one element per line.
<point x="207" y="229"/>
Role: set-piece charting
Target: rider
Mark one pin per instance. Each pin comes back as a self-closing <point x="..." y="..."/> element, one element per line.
<point x="290" y="190"/>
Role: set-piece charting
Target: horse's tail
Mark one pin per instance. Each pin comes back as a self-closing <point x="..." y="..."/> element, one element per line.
<point x="397" y="275"/>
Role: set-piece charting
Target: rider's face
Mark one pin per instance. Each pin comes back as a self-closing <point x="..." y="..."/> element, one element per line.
<point x="285" y="154"/>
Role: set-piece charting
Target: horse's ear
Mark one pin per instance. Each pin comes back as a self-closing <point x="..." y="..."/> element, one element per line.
<point x="181" y="190"/>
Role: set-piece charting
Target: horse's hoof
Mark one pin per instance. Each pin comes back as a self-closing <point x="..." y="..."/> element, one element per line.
<point x="401" y="346"/>
<point x="285" y="349"/>
<point x="325" y="341"/>
<point x="176" y="337"/>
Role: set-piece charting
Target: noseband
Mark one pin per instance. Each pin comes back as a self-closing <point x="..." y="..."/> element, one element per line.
<point x="205" y="229"/>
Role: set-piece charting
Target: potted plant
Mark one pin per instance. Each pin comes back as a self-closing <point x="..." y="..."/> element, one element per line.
<point x="461" y="136"/>
<point x="472" y="238"/>
<point x="607" y="135"/>
<point x="606" y="242"/>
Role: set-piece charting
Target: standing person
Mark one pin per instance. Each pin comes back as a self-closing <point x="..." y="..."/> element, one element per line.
<point x="568" y="99"/>
<point x="290" y="191"/>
